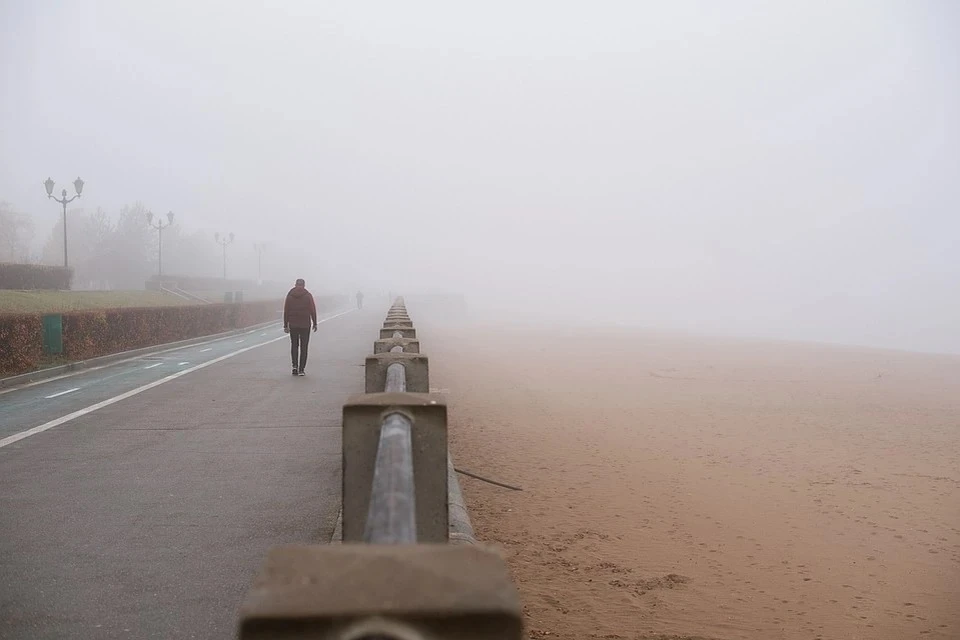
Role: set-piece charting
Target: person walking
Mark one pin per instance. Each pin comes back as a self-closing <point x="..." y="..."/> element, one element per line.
<point x="359" y="299"/>
<point x="299" y="311"/>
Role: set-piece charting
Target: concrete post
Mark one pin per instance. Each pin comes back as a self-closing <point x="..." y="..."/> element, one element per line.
<point x="404" y="333"/>
<point x="362" y="416"/>
<point x="408" y="345"/>
<point x="416" y="364"/>
<point x="347" y="592"/>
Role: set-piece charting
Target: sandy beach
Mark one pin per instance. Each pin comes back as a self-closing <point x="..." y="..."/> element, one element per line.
<point x="686" y="487"/>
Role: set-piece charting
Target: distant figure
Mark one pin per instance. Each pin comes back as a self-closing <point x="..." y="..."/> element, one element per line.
<point x="359" y="299"/>
<point x="299" y="312"/>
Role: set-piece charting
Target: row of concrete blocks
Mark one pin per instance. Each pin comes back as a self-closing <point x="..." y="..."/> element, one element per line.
<point x="432" y="590"/>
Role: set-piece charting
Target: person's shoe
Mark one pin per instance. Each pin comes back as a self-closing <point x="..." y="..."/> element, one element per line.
<point x="302" y="373"/>
<point x="295" y="371"/>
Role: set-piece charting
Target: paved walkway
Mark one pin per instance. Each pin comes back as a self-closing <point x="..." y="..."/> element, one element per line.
<point x="148" y="516"/>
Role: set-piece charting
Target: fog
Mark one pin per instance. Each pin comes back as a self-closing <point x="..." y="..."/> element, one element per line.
<point x="784" y="169"/>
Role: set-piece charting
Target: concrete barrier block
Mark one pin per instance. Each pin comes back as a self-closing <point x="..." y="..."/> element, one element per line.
<point x="362" y="416"/>
<point x="404" y="333"/>
<point x="340" y="592"/>
<point x="409" y="345"/>
<point x="416" y="365"/>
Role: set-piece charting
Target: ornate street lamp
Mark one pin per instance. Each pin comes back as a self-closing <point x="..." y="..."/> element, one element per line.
<point x="78" y="186"/>
<point x="223" y="242"/>
<point x="160" y="226"/>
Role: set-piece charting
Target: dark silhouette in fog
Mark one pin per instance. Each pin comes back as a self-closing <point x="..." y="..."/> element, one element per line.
<point x="299" y="313"/>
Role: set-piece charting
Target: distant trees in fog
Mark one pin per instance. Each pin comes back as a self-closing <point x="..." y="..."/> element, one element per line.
<point x="16" y="234"/>
<point x="120" y="252"/>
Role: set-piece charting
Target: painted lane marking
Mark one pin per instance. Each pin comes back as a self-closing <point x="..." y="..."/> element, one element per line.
<point x="207" y="349"/>
<point x="123" y="396"/>
<point x="151" y="366"/>
<point x="239" y="341"/>
<point x="62" y="393"/>
<point x="182" y="363"/>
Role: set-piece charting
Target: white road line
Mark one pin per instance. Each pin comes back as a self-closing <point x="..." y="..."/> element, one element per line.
<point x="151" y="366"/>
<point x="239" y="341"/>
<point x="123" y="396"/>
<point x="62" y="393"/>
<point x="207" y="349"/>
<point x="262" y="334"/>
<point x="182" y="363"/>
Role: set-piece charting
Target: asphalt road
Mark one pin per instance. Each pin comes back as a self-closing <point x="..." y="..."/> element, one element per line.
<point x="148" y="516"/>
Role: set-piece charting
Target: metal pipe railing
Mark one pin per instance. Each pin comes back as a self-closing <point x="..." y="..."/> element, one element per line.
<point x="392" y="514"/>
<point x="396" y="378"/>
<point x="402" y="589"/>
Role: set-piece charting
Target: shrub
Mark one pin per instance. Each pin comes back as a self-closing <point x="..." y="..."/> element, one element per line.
<point x="88" y="334"/>
<point x="34" y="276"/>
<point x="21" y="343"/>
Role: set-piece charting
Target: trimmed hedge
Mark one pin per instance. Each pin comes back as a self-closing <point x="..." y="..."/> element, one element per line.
<point x="89" y="334"/>
<point x="21" y="343"/>
<point x="34" y="276"/>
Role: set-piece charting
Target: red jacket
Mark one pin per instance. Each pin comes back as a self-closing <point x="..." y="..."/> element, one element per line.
<point x="299" y="309"/>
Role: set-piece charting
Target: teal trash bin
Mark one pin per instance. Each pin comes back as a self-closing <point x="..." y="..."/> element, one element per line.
<point x="228" y="297"/>
<point x="53" y="334"/>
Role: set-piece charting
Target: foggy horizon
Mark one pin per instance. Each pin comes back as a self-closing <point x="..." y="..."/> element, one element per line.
<point x="786" y="171"/>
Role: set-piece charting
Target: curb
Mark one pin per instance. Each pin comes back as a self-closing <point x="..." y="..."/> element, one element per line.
<point x="113" y="358"/>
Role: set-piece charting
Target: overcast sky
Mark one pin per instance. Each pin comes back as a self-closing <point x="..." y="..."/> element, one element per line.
<point x="783" y="169"/>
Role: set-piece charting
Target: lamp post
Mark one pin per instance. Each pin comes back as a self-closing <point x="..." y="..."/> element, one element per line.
<point x="259" y="247"/>
<point x="160" y="226"/>
<point x="223" y="242"/>
<point x="78" y="185"/>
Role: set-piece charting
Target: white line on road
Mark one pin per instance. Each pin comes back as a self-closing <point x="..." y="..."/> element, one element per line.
<point x="182" y="363"/>
<point x="239" y="341"/>
<point x="62" y="393"/>
<point x="207" y="349"/>
<point x="151" y="366"/>
<point x="123" y="396"/>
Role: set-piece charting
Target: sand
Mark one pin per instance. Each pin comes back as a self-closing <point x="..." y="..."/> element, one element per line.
<point x="685" y="487"/>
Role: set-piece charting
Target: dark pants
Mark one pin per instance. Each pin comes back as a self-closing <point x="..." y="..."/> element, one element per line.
<point x="299" y="341"/>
